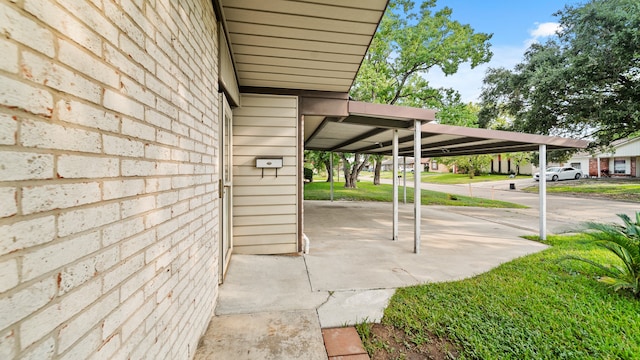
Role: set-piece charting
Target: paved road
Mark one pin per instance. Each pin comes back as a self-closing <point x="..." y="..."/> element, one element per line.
<point x="564" y="213"/>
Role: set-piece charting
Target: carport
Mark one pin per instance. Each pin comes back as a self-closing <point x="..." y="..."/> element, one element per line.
<point x="402" y="131"/>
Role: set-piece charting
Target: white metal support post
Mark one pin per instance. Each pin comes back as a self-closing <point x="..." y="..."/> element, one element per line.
<point x="417" y="195"/>
<point x="543" y="191"/>
<point x="404" y="179"/>
<point x="395" y="185"/>
<point x="331" y="175"/>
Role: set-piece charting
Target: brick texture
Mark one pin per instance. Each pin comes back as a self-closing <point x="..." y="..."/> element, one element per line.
<point x="108" y="180"/>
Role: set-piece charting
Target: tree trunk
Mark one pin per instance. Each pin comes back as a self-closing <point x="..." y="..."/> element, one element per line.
<point x="376" y="174"/>
<point x="352" y="170"/>
<point x="346" y="170"/>
<point x="327" y="165"/>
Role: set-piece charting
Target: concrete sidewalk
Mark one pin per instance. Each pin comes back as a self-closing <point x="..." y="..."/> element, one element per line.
<point x="349" y="276"/>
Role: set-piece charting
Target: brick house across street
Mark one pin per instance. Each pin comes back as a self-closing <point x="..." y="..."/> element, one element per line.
<point x="143" y="142"/>
<point x="621" y="161"/>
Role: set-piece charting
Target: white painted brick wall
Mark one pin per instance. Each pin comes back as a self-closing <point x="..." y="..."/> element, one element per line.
<point x="55" y="17"/>
<point x="45" y="350"/>
<point x="40" y="134"/>
<point x="118" y="102"/>
<point x="22" y="29"/>
<point x="50" y="197"/>
<point x="8" y="128"/>
<point x="22" y="235"/>
<point x="76" y="166"/>
<point x="87" y="115"/>
<point x="74" y="57"/>
<point x="44" y="71"/>
<point x="9" y="277"/>
<point x="9" y="58"/>
<point x="114" y="145"/>
<point x="8" y="202"/>
<point x="108" y="175"/>
<point x="24" y="302"/>
<point x="13" y="94"/>
<point x="58" y="254"/>
<point x="89" y="218"/>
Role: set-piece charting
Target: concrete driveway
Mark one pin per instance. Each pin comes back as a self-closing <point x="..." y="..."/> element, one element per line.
<point x="564" y="213"/>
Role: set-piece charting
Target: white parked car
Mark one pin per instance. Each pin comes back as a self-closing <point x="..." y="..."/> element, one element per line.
<point x="560" y="173"/>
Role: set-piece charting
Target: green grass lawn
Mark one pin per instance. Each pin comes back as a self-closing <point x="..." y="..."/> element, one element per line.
<point x="611" y="189"/>
<point x="531" y="308"/>
<point x="449" y="178"/>
<point x="368" y="192"/>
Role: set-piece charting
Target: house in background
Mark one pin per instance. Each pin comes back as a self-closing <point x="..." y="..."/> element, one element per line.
<point x="387" y="164"/>
<point x="621" y="161"/>
<point x="503" y="164"/>
<point x="436" y="166"/>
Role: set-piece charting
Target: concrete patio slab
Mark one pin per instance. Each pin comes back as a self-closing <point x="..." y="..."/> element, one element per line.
<point x="256" y="283"/>
<point x="284" y="335"/>
<point x="353" y="307"/>
<point x="351" y="246"/>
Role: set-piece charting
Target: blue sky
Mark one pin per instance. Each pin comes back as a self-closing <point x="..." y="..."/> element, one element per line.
<point x="515" y="24"/>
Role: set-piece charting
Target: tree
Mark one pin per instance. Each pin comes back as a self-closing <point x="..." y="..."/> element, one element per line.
<point x="377" y="167"/>
<point x="456" y="113"/>
<point x="321" y="161"/>
<point x="473" y="165"/>
<point x="352" y="166"/>
<point x="584" y="82"/>
<point x="406" y="46"/>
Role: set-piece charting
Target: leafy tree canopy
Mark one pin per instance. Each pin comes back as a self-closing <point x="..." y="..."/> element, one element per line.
<point x="584" y="82"/>
<point x="407" y="45"/>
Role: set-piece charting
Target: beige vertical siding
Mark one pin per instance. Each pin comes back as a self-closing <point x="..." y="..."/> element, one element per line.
<point x="264" y="208"/>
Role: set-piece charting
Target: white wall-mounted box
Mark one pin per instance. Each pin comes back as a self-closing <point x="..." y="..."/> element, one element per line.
<point x="269" y="163"/>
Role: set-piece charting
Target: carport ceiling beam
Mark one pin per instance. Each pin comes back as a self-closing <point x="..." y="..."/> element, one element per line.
<point x="441" y="144"/>
<point x="378" y="122"/>
<point x="494" y="146"/>
<point x="389" y="143"/>
<point x="499" y="148"/>
<point x="354" y="140"/>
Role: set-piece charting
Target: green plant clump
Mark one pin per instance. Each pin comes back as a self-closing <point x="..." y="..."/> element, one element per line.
<point x="623" y="241"/>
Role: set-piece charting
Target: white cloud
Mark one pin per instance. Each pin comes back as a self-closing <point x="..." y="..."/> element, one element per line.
<point x="545" y="30"/>
<point x="542" y="30"/>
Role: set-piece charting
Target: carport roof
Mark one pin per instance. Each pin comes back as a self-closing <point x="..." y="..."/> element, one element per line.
<point x="368" y="128"/>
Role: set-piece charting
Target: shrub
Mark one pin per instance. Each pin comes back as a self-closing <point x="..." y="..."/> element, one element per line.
<point x="308" y="174"/>
<point x="624" y="242"/>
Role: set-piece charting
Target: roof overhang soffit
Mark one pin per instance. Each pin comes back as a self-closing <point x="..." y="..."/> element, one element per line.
<point x="304" y="45"/>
